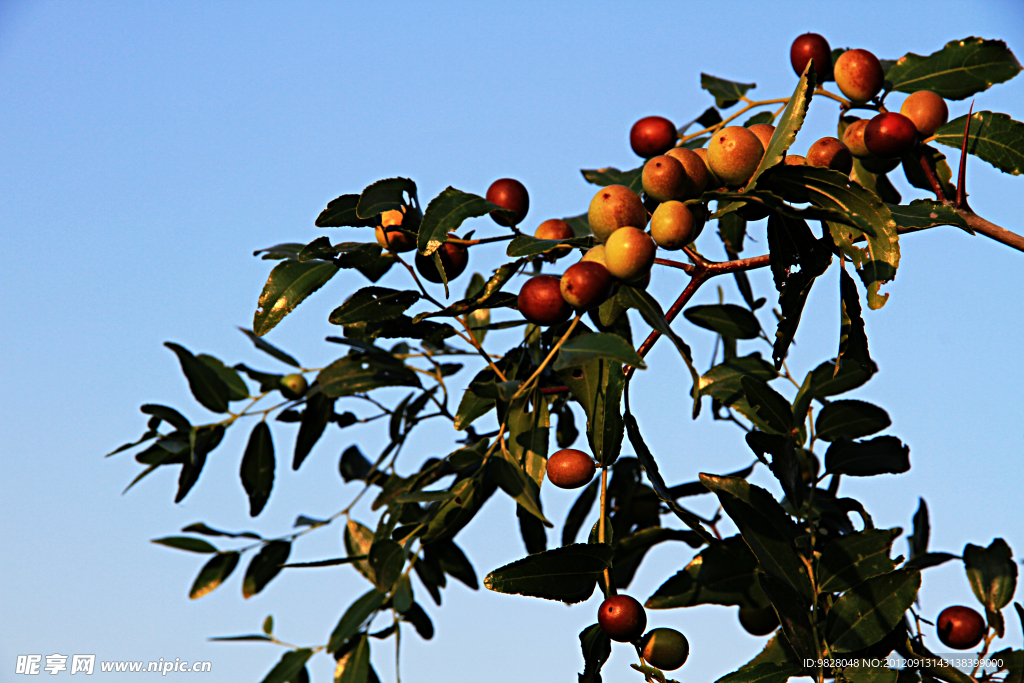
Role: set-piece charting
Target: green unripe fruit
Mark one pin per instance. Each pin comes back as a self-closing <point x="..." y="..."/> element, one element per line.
<point x="614" y="207"/>
<point x="696" y="170"/>
<point x="629" y="253"/>
<point x="927" y="110"/>
<point x="853" y="138"/>
<point x="293" y="386"/>
<point x="664" y="178"/>
<point x="733" y="155"/>
<point x="859" y="75"/>
<point x="665" y="648"/>
<point x="570" y="469"/>
<point x="758" y="621"/>
<point x="830" y="153"/>
<point x="586" y="284"/>
<point x="673" y="225"/>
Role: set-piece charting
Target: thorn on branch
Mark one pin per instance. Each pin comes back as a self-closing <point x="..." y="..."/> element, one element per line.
<point x="961" y="181"/>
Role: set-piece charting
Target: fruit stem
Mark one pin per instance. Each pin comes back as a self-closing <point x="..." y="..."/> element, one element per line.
<point x="929" y="172"/>
<point x="733" y="117"/>
<point x="820" y="90"/>
<point x="600" y="527"/>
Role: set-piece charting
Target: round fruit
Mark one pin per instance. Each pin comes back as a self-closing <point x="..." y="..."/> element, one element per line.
<point x="595" y="253"/>
<point x="927" y="110"/>
<point x="960" y="628"/>
<point x="733" y="154"/>
<point x="714" y="182"/>
<point x="829" y="152"/>
<point x="395" y="240"/>
<point x="652" y="135"/>
<point x="454" y="258"/>
<point x="586" y="284"/>
<point x="853" y="138"/>
<point x="293" y="386"/>
<point x="541" y="302"/>
<point x="664" y="178"/>
<point x="877" y="165"/>
<point x="555" y="229"/>
<point x="794" y="160"/>
<point x="622" y="618"/>
<point x="673" y="225"/>
<point x="859" y="75"/>
<point x="570" y="468"/>
<point x="614" y="207"/>
<point x="890" y="135"/>
<point x="665" y="648"/>
<point x="696" y="170"/>
<point x="811" y="46"/>
<point x="629" y="253"/>
<point x="758" y="621"/>
<point x="763" y="131"/>
<point x="509" y="194"/>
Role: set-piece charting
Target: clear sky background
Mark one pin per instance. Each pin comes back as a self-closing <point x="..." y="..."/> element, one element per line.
<point x="147" y="148"/>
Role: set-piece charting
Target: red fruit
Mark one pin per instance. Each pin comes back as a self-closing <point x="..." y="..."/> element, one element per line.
<point x="890" y="135"/>
<point x="960" y="628"/>
<point x="570" y="468"/>
<point x="622" y="618"/>
<point x="541" y="302"/>
<point x="509" y="194"/>
<point x="554" y="229"/>
<point x="652" y="135"/>
<point x="454" y="258"/>
<point x="586" y="284"/>
<point x="811" y="46"/>
<point x="859" y="75"/>
<point x="829" y="152"/>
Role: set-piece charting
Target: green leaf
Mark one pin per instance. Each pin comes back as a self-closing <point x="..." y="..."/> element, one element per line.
<point x="352" y="620"/>
<point x="257" y="470"/>
<point x="992" y="573"/>
<point x="881" y="455"/>
<point x="255" y="637"/>
<point x="206" y="385"/>
<point x="613" y="176"/>
<point x="568" y="573"/>
<point x="473" y="406"/>
<point x="926" y="213"/>
<point x="213" y="574"/>
<point x="957" y="71"/>
<point x="289" y="284"/>
<point x="794" y="616"/>
<point x="341" y="212"/>
<point x="386" y="560"/>
<point x="790" y="123"/>
<point x="169" y="415"/>
<point x="361" y="373"/>
<point x="527" y="245"/>
<point x="597" y="385"/>
<point x="869" y="674"/>
<point x="289" y="666"/>
<point x="867" y="613"/>
<point x="723" y="382"/>
<point x="596" y="345"/>
<point x="489" y="295"/>
<point x="288" y="250"/>
<point x="519" y="485"/>
<point x="354" y="665"/>
<point x="726" y="93"/>
<point x="630" y="551"/>
<point x="785" y="464"/>
<point x="201" y="528"/>
<point x="386" y="195"/>
<point x="851" y="419"/>
<point x="922" y="530"/>
<point x="769" y="404"/>
<point x="333" y="562"/>
<point x="531" y="529"/>
<point x="265" y="566"/>
<point x="995" y="138"/>
<point x="449" y="516"/>
<point x="850" y="560"/>
<point x="579" y="511"/>
<point x="237" y="390"/>
<point x="768" y="672"/>
<point x="853" y="356"/>
<point x="721" y="574"/>
<point x="453" y="561"/>
<point x="318" y="412"/>
<point x="358" y="539"/>
<point x="203" y="441"/>
<point x="528" y="437"/>
<point x="193" y="545"/>
<point x="446" y="212"/>
<point x="916" y="176"/>
<point x="597" y="648"/>
<point x="373" y="304"/>
<point x="728" y="320"/>
<point x="825" y="381"/>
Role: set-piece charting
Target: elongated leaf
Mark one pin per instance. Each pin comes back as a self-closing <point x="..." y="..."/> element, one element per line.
<point x="995" y="138"/>
<point x="850" y="560"/>
<point x="826" y="381"/>
<point x="203" y="441"/>
<point x="866" y="614"/>
<point x="454" y="562"/>
<point x="728" y="320"/>
<point x="318" y="412"/>
<point x="724" y="381"/>
<point x="519" y="485"/>
<point x="630" y="550"/>
<point x="597" y="648"/>
<point x="568" y="573"/>
<point x="881" y="455"/>
<point x="794" y="616"/>
<point x="768" y="672"/>
<point x="358" y="539"/>
<point x="697" y="488"/>
<point x="265" y="566"/>
<point x="769" y="404"/>
<point x="922" y="530"/>
<point x="957" y="71"/>
<point x="204" y="382"/>
<point x="579" y="512"/>
<point x="289" y="284"/>
<point x="354" y="665"/>
<point x="488" y="296"/>
<point x="785" y="464"/>
<point x="587" y="347"/>
<point x="390" y="194"/>
<point x="237" y="390"/>
<point x="992" y="573"/>
<point x="527" y="245"/>
<point x="721" y="574"/>
<point x="289" y="666"/>
<point x="598" y="386"/>
<point x="472" y="405"/>
<point x="354" y="617"/>
<point x="446" y="212"/>
<point x="257" y="470"/>
<point x="373" y="304"/>
<point x="213" y="574"/>
<point x="791" y="121"/>
<point x="926" y="213"/>
<point x="193" y="545"/>
<point x="528" y="438"/>
<point x="856" y="366"/>
<point x="386" y="559"/>
<point x="851" y="419"/>
<point x="341" y="212"/>
<point x="449" y="516"/>
<point x="169" y="415"/>
<point x="357" y="374"/>
<point x="726" y="93"/>
<point x="333" y="562"/>
<point x="613" y="176"/>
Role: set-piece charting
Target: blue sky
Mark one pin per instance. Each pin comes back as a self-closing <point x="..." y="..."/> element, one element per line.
<point x="147" y="148"/>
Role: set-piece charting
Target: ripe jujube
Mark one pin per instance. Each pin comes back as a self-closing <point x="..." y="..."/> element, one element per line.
<point x="734" y="154"/>
<point x="829" y="152"/>
<point x="510" y="194"/>
<point x="555" y="229"/>
<point x="613" y="207"/>
<point x="927" y="110"/>
<point x="853" y="138"/>
<point x="664" y="178"/>
<point x="811" y="46"/>
<point x="586" y="284"/>
<point x="763" y="131"/>
<point x="859" y="75"/>
<point x="673" y="225"/>
<point x="395" y="240"/>
<point x="890" y="135"/>
<point x="570" y="469"/>
<point x="540" y="301"/>
<point x="960" y="628"/>
<point x="454" y="258"/>
<point x="622" y="618"/>
<point x="696" y="170"/>
<point x="651" y="136"/>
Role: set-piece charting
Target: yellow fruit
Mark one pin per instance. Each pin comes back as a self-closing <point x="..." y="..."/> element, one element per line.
<point x="927" y="110"/>
<point x="673" y="225"/>
<point x="733" y="154"/>
<point x="629" y="253"/>
<point x="696" y="170"/>
<point x="612" y="208"/>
